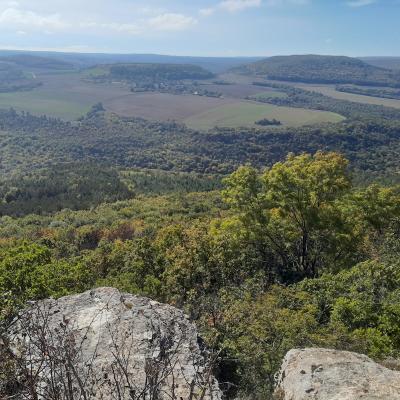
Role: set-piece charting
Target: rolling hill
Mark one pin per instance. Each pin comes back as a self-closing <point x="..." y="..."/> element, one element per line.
<point x="36" y="62"/>
<point x="383" y="62"/>
<point x="86" y="60"/>
<point x="322" y="69"/>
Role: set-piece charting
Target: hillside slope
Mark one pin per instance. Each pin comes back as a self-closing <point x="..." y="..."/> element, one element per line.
<point x="322" y="69"/>
<point x="36" y="62"/>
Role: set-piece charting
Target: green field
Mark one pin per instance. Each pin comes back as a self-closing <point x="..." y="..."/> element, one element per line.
<point x="40" y="103"/>
<point x="63" y="95"/>
<point x="245" y="114"/>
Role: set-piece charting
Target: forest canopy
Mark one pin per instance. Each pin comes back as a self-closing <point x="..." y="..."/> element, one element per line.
<point x="158" y="72"/>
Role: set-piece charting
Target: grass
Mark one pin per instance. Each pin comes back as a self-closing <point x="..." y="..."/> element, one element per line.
<point x="245" y="114"/>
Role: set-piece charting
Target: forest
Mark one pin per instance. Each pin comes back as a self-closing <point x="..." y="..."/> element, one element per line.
<point x="29" y="142"/>
<point x="296" y="255"/>
<point x="157" y="72"/>
<point x="322" y="69"/>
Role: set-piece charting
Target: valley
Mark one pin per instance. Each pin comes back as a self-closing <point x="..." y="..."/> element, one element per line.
<point x="259" y="197"/>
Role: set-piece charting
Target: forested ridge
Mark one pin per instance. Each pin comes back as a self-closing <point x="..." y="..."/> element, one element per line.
<point x="35" y="61"/>
<point x="160" y="72"/>
<point x="322" y="69"/>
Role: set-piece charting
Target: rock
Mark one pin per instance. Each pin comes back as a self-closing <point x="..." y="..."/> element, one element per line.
<point x="113" y="345"/>
<point x="322" y="374"/>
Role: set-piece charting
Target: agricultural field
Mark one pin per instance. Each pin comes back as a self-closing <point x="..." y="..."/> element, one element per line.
<point x="69" y="95"/>
<point x="62" y="95"/>
<point x="40" y="102"/>
<point x="203" y="113"/>
<point x="245" y="114"/>
<point x="163" y="106"/>
<point x="329" y="90"/>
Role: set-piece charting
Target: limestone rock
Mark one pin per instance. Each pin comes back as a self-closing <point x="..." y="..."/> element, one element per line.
<point x="322" y="374"/>
<point x="112" y="345"/>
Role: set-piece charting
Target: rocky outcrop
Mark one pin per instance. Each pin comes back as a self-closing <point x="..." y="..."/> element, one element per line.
<point x="322" y="374"/>
<point x="104" y="344"/>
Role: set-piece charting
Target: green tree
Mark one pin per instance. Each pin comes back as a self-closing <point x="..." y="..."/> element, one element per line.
<point x="28" y="272"/>
<point x="303" y="216"/>
<point x="258" y="330"/>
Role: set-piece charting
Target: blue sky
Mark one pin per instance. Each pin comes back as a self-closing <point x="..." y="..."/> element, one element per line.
<point x="203" y="27"/>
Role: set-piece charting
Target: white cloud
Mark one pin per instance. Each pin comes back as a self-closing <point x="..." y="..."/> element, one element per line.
<point x="19" y="19"/>
<point x="171" y="22"/>
<point x="239" y="5"/>
<point x="162" y="22"/>
<point x="360" y="3"/>
<point x="150" y="11"/>
<point x="206" y="12"/>
<point x="283" y="2"/>
<point x="7" y="4"/>
<point x="15" y="17"/>
<point x="132" y="29"/>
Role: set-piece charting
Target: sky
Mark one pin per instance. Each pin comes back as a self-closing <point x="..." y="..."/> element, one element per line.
<point x="203" y="27"/>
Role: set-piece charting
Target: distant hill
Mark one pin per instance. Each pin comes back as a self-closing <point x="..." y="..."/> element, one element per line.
<point x="37" y="62"/>
<point x="85" y="60"/>
<point x="322" y="69"/>
<point x="383" y="62"/>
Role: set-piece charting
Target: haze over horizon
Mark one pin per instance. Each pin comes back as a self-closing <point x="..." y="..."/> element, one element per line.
<point x="203" y="28"/>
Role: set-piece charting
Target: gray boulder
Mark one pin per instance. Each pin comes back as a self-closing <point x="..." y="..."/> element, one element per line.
<point x="104" y="344"/>
<point x="322" y="374"/>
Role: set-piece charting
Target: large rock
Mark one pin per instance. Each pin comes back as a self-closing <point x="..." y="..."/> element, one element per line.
<point x="112" y="345"/>
<point x="322" y="374"/>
